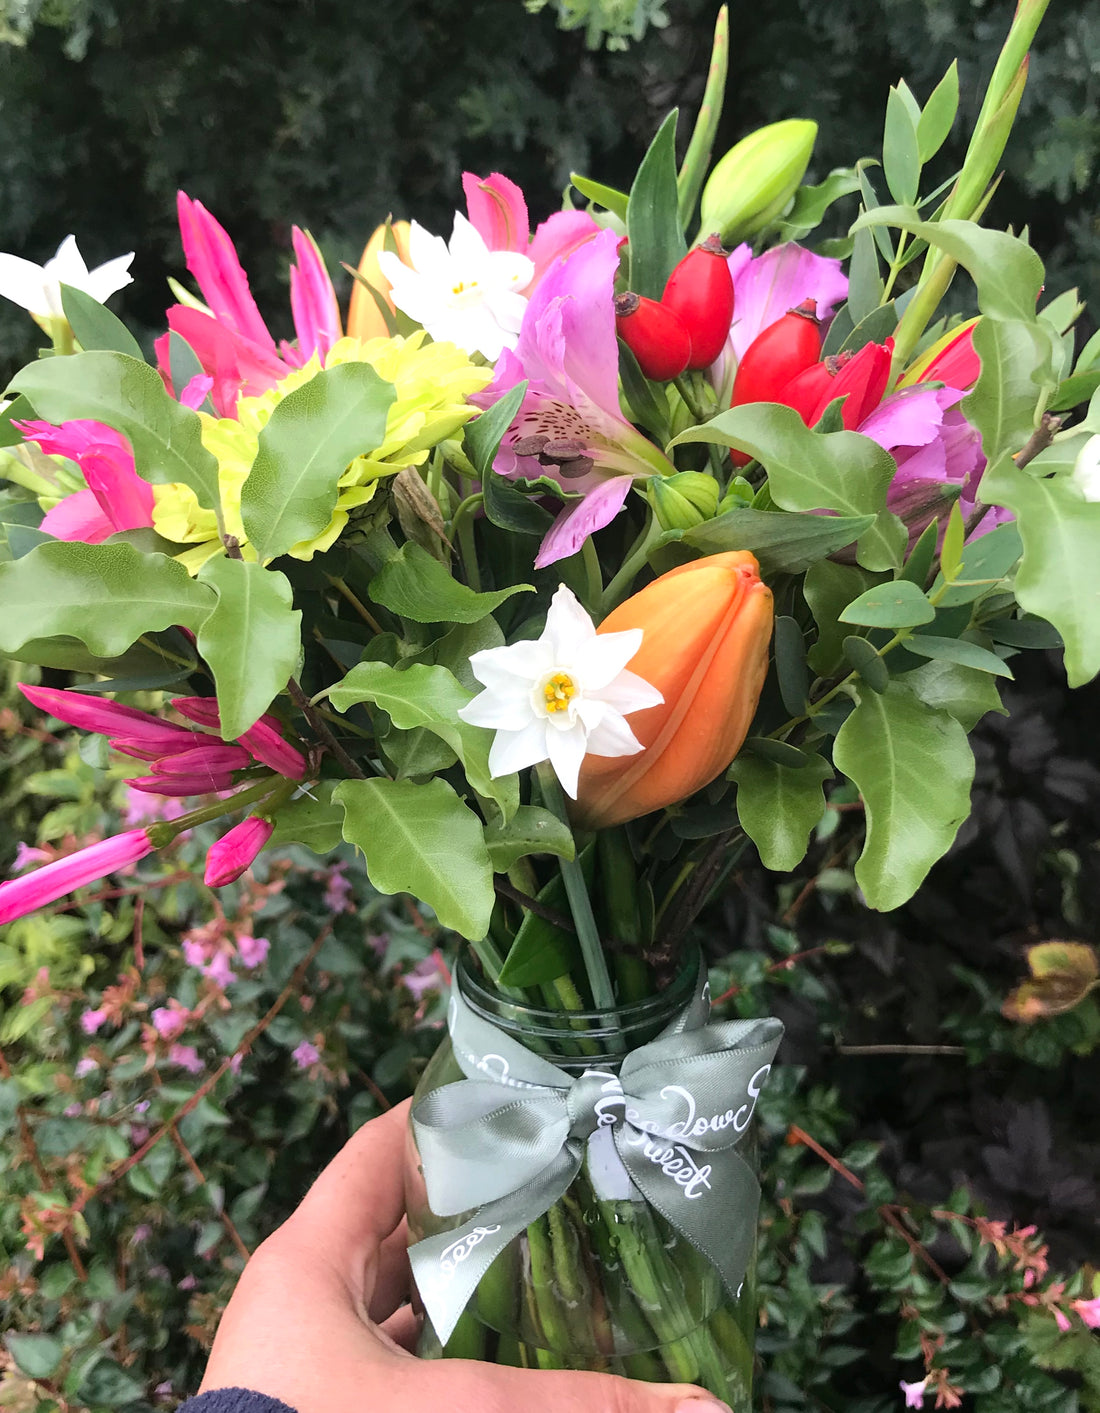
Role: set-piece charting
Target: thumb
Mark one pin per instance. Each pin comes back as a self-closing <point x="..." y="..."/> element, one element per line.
<point x="470" y="1387"/>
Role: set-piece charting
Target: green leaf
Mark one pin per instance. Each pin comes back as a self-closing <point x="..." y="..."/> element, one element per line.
<point x="865" y="287"/>
<point x="109" y="1385"/>
<point x="954" y="538"/>
<point x="542" y="951"/>
<point x="421" y="839"/>
<point x="919" y="564"/>
<point x="1017" y="366"/>
<point x="913" y="767"/>
<point x="251" y="640"/>
<point x="531" y="830"/>
<point x="867" y="662"/>
<point x="95" y="326"/>
<point x="304" y="449"/>
<point x="783" y="542"/>
<point x="958" y="650"/>
<point x="430" y="698"/>
<point x="1071" y="392"/>
<point x="901" y="161"/>
<point x="128" y="395"/>
<point x="1007" y="272"/>
<point x="1059" y="575"/>
<point x="481" y="437"/>
<point x="646" y="406"/>
<point x="315" y="820"/>
<point x="790" y="664"/>
<point x="811" y="202"/>
<point x="807" y="470"/>
<point x="898" y="604"/>
<point x="511" y="509"/>
<point x="19" y="409"/>
<point x="985" y="563"/>
<point x="962" y="692"/>
<point x="1023" y="632"/>
<point x="415" y="585"/>
<point x="939" y="114"/>
<point x="828" y="588"/>
<point x="183" y="364"/>
<point x="778" y="807"/>
<point x="37" y="1355"/>
<point x="606" y="196"/>
<point x="105" y="595"/>
<point x="652" y="220"/>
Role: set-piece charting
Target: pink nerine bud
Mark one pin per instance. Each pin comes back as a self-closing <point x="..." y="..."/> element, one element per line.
<point x="264" y="740"/>
<point x="154" y="741"/>
<point x="46" y="885"/>
<point x="214" y="756"/>
<point x="179" y="786"/>
<point x="235" y="851"/>
<point x="92" y="713"/>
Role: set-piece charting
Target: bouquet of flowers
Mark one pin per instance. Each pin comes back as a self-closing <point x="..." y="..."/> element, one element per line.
<point x="567" y="566"/>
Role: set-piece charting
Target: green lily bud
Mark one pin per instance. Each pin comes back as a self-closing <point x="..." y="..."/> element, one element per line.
<point x="683" y="500"/>
<point x="752" y="183"/>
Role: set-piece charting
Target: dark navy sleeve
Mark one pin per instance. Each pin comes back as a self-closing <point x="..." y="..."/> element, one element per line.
<point x="233" y="1400"/>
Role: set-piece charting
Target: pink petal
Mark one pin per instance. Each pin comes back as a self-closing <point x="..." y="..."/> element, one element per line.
<point x="78" y="517"/>
<point x="123" y="496"/>
<point x="46" y="885"/>
<point x="212" y="259"/>
<point x="576" y="522"/>
<point x="497" y="211"/>
<point x="92" y="713"/>
<point x="182" y="785"/>
<point x="557" y="237"/>
<point x="312" y="299"/>
<point x="235" y="851"/>
<point x="910" y="418"/>
<point x="780" y="279"/>
<point x="214" y="756"/>
<point x="196" y="392"/>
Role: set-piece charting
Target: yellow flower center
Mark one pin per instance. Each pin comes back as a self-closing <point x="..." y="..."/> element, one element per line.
<point x="558" y="692"/>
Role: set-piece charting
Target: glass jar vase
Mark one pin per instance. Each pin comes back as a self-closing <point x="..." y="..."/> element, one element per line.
<point x="601" y="1281"/>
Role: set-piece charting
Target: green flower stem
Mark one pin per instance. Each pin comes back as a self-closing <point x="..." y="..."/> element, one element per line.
<point x="356" y="603"/>
<point x="593" y="574"/>
<point x="543" y="1305"/>
<point x="163" y="833"/>
<point x="632" y="565"/>
<point x="468" y="1338"/>
<point x="693" y="171"/>
<point x="162" y="651"/>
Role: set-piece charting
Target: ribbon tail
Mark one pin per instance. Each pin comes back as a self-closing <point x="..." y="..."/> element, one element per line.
<point x="716" y="1209"/>
<point x="448" y="1267"/>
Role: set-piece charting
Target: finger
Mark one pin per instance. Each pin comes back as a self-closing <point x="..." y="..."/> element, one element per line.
<point x="356" y="1202"/>
<point x="403" y="1327"/>
<point x="392" y="1278"/>
<point x="464" y="1386"/>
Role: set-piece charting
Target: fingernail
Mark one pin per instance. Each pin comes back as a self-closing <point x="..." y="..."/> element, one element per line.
<point x="702" y="1405"/>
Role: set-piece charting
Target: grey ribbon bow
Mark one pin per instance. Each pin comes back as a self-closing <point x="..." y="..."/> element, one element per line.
<point x="505" y="1144"/>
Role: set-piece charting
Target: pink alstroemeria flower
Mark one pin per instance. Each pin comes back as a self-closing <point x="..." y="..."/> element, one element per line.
<point x="231" y="341"/>
<point x="570" y="426"/>
<point x="45" y="885"/>
<point x="236" y="850"/>
<point x="498" y="212"/>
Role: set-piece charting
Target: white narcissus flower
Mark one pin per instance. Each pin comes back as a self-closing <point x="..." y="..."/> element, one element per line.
<point x="1086" y="470"/>
<point x="561" y="697"/>
<point x="37" y="288"/>
<point x="462" y="293"/>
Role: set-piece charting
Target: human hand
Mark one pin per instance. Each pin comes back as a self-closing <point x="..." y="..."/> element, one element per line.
<point x="318" y="1318"/>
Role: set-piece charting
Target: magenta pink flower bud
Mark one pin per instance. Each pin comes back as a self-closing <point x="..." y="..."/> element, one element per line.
<point x="236" y="851"/>
<point x="91" y="713"/>
<point x="163" y="739"/>
<point x="215" y="756"/>
<point x="46" y="885"/>
<point x="268" y="747"/>
<point x="179" y="786"/>
<point x="202" y="710"/>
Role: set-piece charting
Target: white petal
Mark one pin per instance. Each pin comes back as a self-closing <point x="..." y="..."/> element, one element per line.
<point x="108" y="278"/>
<point x="22" y="282"/>
<point x="506" y="308"/>
<point x="467" y="244"/>
<point x="566" y="750"/>
<point x="515" y="750"/>
<point x="605" y="655"/>
<point x="427" y="253"/>
<point x="501" y="668"/>
<point x="610" y="736"/>
<point x="67" y="266"/>
<point x="499" y="710"/>
<point x="568" y="627"/>
<point x="628" y="693"/>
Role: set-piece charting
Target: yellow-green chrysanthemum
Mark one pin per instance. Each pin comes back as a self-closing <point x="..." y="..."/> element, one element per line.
<point x="431" y="382"/>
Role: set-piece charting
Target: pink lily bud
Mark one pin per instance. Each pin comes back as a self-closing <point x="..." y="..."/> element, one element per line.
<point x="266" y="744"/>
<point x="179" y="786"/>
<point x="213" y="756"/>
<point x="264" y="740"/>
<point x="46" y="885"/>
<point x="312" y="299"/>
<point x="92" y="713"/>
<point x="236" y="851"/>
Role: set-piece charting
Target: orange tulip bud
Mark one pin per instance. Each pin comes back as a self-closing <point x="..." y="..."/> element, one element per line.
<point x="706" y="626"/>
<point x="364" y="318"/>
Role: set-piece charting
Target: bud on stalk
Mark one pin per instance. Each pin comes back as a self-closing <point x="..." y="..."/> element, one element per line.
<point x="752" y="184"/>
<point x="236" y="850"/>
<point x="700" y="291"/>
<point x="706" y="627"/>
<point x="683" y="500"/>
<point x="657" y="337"/>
